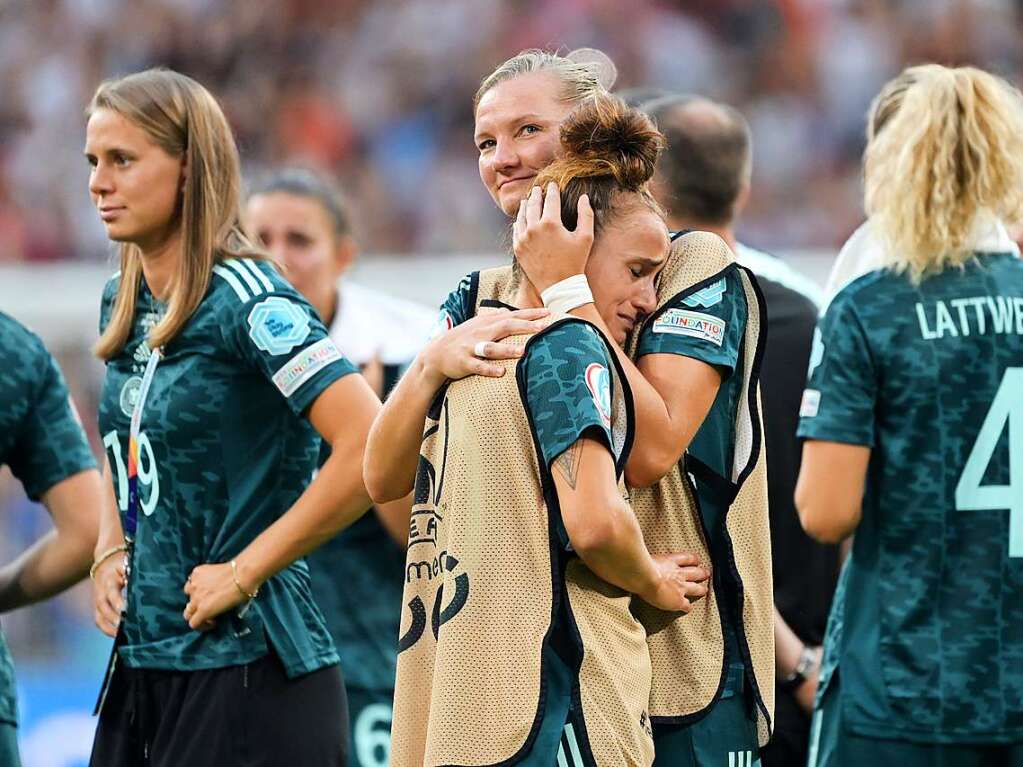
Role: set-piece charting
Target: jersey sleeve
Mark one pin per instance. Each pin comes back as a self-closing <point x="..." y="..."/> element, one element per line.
<point x="51" y="444"/>
<point x="838" y="403"/>
<point x="278" y="335"/>
<point x="568" y="388"/>
<point x="707" y="324"/>
<point x="457" y="307"/>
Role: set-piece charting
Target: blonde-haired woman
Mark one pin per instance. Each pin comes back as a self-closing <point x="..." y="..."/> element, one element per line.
<point x="218" y="377"/>
<point x="913" y="417"/>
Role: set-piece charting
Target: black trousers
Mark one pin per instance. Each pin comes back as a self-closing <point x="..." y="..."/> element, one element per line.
<point x="790" y="744"/>
<point x="249" y="716"/>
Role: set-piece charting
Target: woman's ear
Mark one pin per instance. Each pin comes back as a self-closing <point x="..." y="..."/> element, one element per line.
<point x="344" y="254"/>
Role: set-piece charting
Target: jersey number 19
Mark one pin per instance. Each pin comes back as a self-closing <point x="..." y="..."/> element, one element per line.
<point x="146" y="468"/>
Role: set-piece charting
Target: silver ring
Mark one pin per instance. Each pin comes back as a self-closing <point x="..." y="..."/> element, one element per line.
<point x="480" y="349"/>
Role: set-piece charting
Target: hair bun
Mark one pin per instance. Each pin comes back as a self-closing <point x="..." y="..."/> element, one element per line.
<point x="612" y="139"/>
<point x="600" y="62"/>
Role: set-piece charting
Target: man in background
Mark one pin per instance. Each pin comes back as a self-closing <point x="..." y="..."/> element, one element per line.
<point x="703" y="182"/>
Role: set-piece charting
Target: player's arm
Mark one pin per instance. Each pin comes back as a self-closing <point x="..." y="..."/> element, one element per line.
<point x="603" y="531"/>
<point x="108" y="575"/>
<point x="392" y="455"/>
<point x="342" y="414"/>
<point x="829" y="492"/>
<point x="62" y="557"/>
<point x="788" y="655"/>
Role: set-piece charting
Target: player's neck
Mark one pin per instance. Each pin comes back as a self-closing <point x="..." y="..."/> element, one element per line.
<point x="160" y="265"/>
<point x="527" y="297"/>
<point x="724" y="231"/>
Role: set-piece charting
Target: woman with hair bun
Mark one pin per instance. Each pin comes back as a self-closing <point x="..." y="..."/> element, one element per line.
<point x="518" y="644"/>
<point x="913" y="420"/>
<point x="218" y="377"/>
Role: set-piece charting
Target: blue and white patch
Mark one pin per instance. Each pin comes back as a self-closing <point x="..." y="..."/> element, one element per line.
<point x="277" y="325"/>
<point x="811" y="403"/>
<point x="708" y="296"/>
<point x="816" y="352"/>
<point x="443" y="324"/>
<point x="598" y="381"/>
<point x="680" y="322"/>
<point x="304" y="365"/>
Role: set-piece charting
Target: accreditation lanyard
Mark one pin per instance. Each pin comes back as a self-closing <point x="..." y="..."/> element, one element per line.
<point x="131" y="519"/>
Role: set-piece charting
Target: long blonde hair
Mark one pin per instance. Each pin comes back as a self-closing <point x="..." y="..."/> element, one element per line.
<point x="945" y="148"/>
<point x="185" y="120"/>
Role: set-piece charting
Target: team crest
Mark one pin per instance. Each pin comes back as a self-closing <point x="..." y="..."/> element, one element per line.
<point x="276" y="325"/>
<point x="130" y="395"/>
<point x="598" y="381"/>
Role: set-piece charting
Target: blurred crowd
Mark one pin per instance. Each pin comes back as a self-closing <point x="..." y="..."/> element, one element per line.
<point x="380" y="94"/>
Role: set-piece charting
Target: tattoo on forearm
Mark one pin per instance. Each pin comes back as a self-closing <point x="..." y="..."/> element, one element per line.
<point x="568" y="463"/>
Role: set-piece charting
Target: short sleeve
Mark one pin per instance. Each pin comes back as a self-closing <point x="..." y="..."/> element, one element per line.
<point x="457" y="307"/>
<point x="838" y="403"/>
<point x="278" y="335"/>
<point x="568" y="388"/>
<point x="51" y="444"/>
<point x="706" y="323"/>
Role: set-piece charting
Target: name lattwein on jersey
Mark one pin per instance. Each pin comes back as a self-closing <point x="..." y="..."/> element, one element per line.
<point x="978" y="315"/>
<point x="305" y="365"/>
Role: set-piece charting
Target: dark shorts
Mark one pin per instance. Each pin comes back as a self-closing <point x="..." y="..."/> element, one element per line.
<point x="725" y="737"/>
<point x="370" y="714"/>
<point x="9" y="745"/>
<point x="243" y="716"/>
<point x="832" y="745"/>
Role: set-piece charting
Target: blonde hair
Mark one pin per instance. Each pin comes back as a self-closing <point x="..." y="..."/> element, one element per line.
<point x="945" y="146"/>
<point x="583" y="72"/>
<point x="185" y="120"/>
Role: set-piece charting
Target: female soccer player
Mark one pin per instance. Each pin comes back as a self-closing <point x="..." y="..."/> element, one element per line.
<point x="42" y="441"/>
<point x="219" y="376"/>
<point x="357" y="576"/>
<point x="518" y="645"/>
<point x="696" y="387"/>
<point x="913" y="418"/>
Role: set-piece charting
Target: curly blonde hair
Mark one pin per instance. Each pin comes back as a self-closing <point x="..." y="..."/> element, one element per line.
<point x="945" y="146"/>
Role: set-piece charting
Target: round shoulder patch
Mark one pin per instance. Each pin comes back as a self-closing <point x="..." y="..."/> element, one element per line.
<point x="598" y="381"/>
<point x="277" y="325"/>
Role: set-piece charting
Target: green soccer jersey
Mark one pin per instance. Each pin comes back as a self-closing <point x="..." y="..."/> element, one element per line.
<point x="708" y="323"/>
<point x="224" y="450"/>
<point x="41" y="439"/>
<point x="930" y="377"/>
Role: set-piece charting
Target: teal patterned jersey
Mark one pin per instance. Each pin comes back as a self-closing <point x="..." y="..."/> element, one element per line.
<point x="41" y="439"/>
<point x="460" y="304"/>
<point x="568" y="388"/>
<point x="930" y="377"/>
<point x="224" y="450"/>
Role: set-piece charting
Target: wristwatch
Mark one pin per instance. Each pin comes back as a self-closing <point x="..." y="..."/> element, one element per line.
<point x="807" y="660"/>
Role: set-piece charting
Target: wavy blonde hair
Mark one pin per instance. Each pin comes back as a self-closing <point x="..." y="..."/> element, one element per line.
<point x="583" y="72"/>
<point x="185" y="120"/>
<point x="944" y="146"/>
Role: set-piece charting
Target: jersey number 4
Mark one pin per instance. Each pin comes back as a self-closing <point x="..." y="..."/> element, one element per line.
<point x="1006" y="412"/>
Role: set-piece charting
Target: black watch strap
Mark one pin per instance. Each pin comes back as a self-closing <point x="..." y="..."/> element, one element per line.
<point x="807" y="660"/>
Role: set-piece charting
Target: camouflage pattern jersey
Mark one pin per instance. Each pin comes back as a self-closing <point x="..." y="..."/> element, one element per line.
<point x="224" y="450"/>
<point x="927" y="624"/>
<point x="41" y="440"/>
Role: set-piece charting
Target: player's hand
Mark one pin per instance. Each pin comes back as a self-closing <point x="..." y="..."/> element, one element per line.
<point x="545" y="249"/>
<point x="806" y="693"/>
<point x="681" y="581"/>
<point x="470" y="348"/>
<point x="108" y="595"/>
<point x="211" y="591"/>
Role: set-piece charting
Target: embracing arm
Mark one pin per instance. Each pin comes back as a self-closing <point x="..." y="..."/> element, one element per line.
<point x="62" y="557"/>
<point x="604" y="532"/>
<point x="392" y="454"/>
<point x="829" y="492"/>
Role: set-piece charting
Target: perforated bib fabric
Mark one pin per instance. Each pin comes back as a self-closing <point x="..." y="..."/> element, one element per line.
<point x="687" y="652"/>
<point x="486" y="581"/>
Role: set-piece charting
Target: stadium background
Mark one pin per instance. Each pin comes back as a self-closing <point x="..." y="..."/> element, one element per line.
<point x="379" y="93"/>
